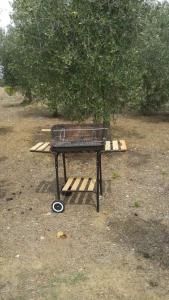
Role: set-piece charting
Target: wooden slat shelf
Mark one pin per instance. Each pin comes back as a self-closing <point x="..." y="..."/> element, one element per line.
<point x="110" y="146"/>
<point x="41" y="147"/>
<point x="92" y="185"/>
<point x="79" y="184"/>
<point x="115" y="146"/>
<point x="68" y="184"/>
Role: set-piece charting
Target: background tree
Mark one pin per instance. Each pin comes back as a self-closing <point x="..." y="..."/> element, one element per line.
<point x="82" y="52"/>
<point x="15" y="67"/>
<point x="89" y="58"/>
<point x="1" y="64"/>
<point x="154" y="58"/>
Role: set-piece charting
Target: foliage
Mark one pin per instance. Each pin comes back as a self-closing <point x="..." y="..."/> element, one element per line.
<point x="78" y="53"/>
<point x="9" y="90"/>
<point x="115" y="175"/>
<point x="87" y="57"/>
<point x="14" y="61"/>
<point x="154" y="59"/>
<point x="136" y="204"/>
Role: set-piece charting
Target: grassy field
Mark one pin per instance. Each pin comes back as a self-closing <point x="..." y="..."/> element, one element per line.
<point x="122" y="253"/>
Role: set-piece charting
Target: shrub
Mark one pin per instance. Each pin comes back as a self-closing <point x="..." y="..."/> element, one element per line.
<point x="10" y="90"/>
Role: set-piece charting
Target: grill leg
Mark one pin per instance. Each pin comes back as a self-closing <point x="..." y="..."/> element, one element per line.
<point x="101" y="189"/>
<point x="57" y="177"/>
<point x="97" y="178"/>
<point x="64" y="166"/>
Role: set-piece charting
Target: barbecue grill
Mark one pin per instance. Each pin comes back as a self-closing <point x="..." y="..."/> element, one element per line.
<point x="85" y="138"/>
<point x="66" y="138"/>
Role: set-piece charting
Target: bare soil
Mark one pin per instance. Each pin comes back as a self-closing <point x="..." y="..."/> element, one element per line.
<point x="121" y="253"/>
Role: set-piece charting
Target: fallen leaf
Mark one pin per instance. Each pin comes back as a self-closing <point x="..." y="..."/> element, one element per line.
<point x="61" y="235"/>
<point x="9" y="199"/>
<point x="48" y="214"/>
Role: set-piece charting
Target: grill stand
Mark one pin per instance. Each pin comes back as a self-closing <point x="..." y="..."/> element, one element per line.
<point x="98" y="190"/>
<point x="64" y="166"/>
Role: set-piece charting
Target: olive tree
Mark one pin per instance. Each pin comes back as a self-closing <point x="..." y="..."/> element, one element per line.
<point x="14" y="60"/>
<point x="153" y="46"/>
<point x="81" y="54"/>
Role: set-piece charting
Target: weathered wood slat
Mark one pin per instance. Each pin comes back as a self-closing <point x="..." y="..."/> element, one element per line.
<point x="42" y="148"/>
<point x="83" y="184"/>
<point x="34" y="148"/>
<point x="47" y="149"/>
<point x="91" y="185"/>
<point x="46" y="130"/>
<point x="108" y="146"/>
<point x="75" y="184"/>
<point x="68" y="184"/>
<point x="123" y="145"/>
<point x="79" y="184"/>
<point x="115" y="145"/>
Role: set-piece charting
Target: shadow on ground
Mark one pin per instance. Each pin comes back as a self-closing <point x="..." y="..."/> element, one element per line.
<point x="3" y="158"/>
<point x="13" y="105"/>
<point x="49" y="187"/>
<point x="5" y="130"/>
<point x="4" y="186"/>
<point x="121" y="132"/>
<point x="158" y="118"/>
<point x="137" y="159"/>
<point x="150" y="239"/>
<point x="35" y="111"/>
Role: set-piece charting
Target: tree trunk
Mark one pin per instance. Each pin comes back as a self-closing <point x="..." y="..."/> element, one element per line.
<point x="55" y="113"/>
<point x="28" y="95"/>
<point x="106" y="109"/>
<point x="106" y="118"/>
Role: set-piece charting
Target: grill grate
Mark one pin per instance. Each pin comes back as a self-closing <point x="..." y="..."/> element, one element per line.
<point x="69" y="135"/>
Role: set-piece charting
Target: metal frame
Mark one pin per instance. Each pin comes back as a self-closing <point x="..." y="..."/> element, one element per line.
<point x="98" y="190"/>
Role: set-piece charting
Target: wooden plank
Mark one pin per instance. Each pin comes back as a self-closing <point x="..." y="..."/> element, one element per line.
<point x="46" y="130"/>
<point x="34" y="148"/>
<point x="115" y="145"/>
<point x="91" y="185"/>
<point x="42" y="148"/>
<point x="83" y="184"/>
<point x="123" y="145"/>
<point x="68" y="184"/>
<point x="108" y="146"/>
<point x="47" y="149"/>
<point x="75" y="184"/>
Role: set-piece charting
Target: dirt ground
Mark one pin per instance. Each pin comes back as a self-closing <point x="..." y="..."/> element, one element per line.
<point x="121" y="253"/>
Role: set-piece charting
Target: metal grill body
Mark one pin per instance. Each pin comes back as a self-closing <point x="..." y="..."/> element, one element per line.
<point x="68" y="138"/>
<point x="86" y="138"/>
